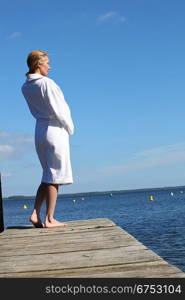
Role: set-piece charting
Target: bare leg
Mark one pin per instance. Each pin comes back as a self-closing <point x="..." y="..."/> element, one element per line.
<point x="40" y="197"/>
<point x="51" y="198"/>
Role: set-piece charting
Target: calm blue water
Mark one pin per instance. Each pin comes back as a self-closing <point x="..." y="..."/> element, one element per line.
<point x="158" y="224"/>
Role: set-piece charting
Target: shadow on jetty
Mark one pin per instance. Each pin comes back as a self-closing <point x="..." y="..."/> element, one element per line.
<point x="21" y="227"/>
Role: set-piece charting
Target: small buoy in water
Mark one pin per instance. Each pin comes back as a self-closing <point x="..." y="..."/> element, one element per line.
<point x="25" y="207"/>
<point x="82" y="198"/>
<point x="151" y="198"/>
<point x="110" y="195"/>
<point x="74" y="200"/>
<point x="171" y="193"/>
<point x="181" y="192"/>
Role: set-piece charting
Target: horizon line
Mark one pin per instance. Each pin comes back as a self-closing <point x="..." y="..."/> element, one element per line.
<point x="107" y="191"/>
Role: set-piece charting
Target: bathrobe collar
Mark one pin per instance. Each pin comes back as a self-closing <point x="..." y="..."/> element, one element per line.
<point x="34" y="76"/>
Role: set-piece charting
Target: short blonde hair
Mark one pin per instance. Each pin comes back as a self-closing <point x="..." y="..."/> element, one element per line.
<point x="33" y="60"/>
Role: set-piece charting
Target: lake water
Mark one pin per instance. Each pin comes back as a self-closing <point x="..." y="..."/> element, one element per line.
<point x="158" y="224"/>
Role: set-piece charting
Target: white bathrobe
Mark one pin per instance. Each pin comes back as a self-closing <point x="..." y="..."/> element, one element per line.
<point x="53" y="127"/>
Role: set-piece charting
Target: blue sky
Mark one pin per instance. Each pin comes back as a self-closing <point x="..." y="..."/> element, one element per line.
<point x="120" y="64"/>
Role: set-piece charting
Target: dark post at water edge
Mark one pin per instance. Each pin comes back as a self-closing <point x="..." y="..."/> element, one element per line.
<point x="1" y="209"/>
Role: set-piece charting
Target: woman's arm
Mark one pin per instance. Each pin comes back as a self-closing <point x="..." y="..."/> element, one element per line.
<point x="55" y="99"/>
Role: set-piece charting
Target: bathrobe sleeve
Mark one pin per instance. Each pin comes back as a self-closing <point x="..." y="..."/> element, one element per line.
<point x="55" y="99"/>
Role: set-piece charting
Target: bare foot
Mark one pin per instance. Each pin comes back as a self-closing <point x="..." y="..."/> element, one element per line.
<point x="36" y="222"/>
<point x="54" y="223"/>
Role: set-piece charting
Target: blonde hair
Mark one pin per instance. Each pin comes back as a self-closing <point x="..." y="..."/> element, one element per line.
<point x="33" y="60"/>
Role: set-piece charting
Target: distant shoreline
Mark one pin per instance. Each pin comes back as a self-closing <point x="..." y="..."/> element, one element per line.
<point x="101" y="192"/>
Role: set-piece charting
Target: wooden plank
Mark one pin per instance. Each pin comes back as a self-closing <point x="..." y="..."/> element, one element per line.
<point x="86" y="248"/>
<point x="154" y="269"/>
<point x="65" y="243"/>
<point x="77" y="259"/>
<point x="20" y="231"/>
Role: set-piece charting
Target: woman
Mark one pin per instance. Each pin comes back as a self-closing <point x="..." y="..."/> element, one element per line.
<point x="53" y="126"/>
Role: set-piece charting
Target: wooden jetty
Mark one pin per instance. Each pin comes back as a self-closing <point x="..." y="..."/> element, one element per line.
<point x="85" y="249"/>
